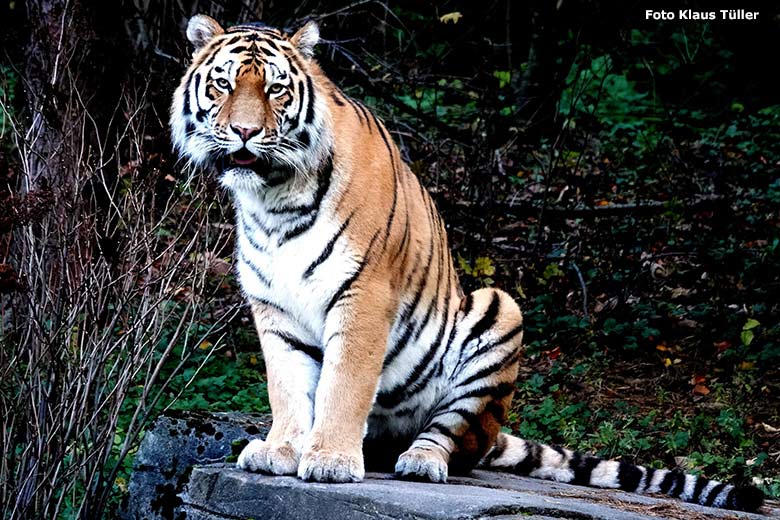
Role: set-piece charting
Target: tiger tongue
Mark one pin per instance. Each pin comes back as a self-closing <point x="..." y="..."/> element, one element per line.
<point x="244" y="157"/>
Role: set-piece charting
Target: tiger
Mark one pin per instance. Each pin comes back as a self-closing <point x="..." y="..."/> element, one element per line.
<point x="369" y="342"/>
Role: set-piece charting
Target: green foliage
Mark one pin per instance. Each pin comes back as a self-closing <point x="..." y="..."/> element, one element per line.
<point x="8" y="82"/>
<point x="481" y="270"/>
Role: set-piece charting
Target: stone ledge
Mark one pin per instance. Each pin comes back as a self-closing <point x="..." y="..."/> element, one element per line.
<point x="180" y="472"/>
<point x="220" y="492"/>
<point x="174" y="444"/>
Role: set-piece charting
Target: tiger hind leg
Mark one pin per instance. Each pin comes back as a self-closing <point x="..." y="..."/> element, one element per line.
<point x="483" y="356"/>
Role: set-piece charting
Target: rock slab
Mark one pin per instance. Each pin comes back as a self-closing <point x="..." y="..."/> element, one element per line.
<point x="174" y="444"/>
<point x="180" y="472"/>
<point x="221" y="492"/>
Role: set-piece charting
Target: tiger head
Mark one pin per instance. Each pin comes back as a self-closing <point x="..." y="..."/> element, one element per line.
<point x="248" y="103"/>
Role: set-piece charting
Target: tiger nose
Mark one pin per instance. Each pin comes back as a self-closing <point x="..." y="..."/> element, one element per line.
<point x="246" y="132"/>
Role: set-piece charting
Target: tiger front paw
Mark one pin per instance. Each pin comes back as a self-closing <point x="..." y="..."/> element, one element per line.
<point x="427" y="464"/>
<point x="266" y="457"/>
<point x="331" y="466"/>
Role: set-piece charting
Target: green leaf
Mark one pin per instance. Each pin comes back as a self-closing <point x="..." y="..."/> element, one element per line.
<point x="750" y="324"/>
<point x="503" y="77"/>
<point x="484" y="266"/>
<point x="746" y="337"/>
<point x="552" y="271"/>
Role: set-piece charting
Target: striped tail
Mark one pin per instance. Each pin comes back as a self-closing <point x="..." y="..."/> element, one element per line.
<point x="521" y="457"/>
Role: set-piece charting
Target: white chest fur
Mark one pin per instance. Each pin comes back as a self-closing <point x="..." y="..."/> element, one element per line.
<point x="295" y="260"/>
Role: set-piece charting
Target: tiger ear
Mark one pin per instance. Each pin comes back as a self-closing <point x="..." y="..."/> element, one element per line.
<point x="306" y="38"/>
<point x="201" y="29"/>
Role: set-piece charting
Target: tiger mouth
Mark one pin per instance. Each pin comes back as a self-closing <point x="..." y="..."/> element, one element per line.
<point x="243" y="157"/>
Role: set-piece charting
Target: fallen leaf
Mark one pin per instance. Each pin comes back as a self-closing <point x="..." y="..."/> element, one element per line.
<point x="698" y="379"/>
<point x="554" y="353"/>
<point x="721" y="345"/>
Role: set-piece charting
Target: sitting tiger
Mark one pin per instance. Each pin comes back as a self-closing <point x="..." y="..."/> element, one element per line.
<point x="367" y="337"/>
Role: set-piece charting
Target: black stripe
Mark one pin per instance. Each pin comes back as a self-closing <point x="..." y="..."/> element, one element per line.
<point x="296" y="64"/>
<point x="255" y="224"/>
<point x="731" y="499"/>
<point x="271" y="44"/>
<point x="487" y="321"/>
<point x="310" y="350"/>
<point x="269" y="51"/>
<point x="557" y="449"/>
<point x="298" y="230"/>
<point x="629" y="476"/>
<point x="301" y="93"/>
<point x="531" y="461"/>
<point x="406" y="412"/>
<point x="336" y="99"/>
<point x="255" y="269"/>
<point x="445" y="431"/>
<point x="488" y="370"/>
<point x="433" y="306"/>
<point x="365" y="115"/>
<point x="186" y="105"/>
<point x="679" y="484"/>
<point x="454" y="329"/>
<point x="276" y="306"/>
<point x="509" y="335"/>
<point x="497" y="392"/>
<point x="310" y="108"/>
<point x="354" y="106"/>
<point x="200" y="113"/>
<point x="248" y="235"/>
<point x="346" y="284"/>
<point x="400" y="345"/>
<point x="325" y="178"/>
<point x="425" y="437"/>
<point x="393" y="397"/>
<point x="701" y="483"/>
<point x="667" y="481"/>
<point x="582" y="466"/>
<point x="713" y="494"/>
<point x="391" y="218"/>
<point x="404" y="238"/>
<point x="411" y="308"/>
<point x="649" y="472"/>
<point x="304" y="139"/>
<point x="414" y="382"/>
<point x="326" y="252"/>
<point x="468" y="304"/>
<point x="497" y="451"/>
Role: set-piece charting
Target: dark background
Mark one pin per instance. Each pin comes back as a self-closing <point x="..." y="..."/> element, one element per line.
<point x="620" y="177"/>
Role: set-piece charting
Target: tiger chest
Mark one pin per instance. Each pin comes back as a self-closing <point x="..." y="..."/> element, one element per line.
<point x="297" y="271"/>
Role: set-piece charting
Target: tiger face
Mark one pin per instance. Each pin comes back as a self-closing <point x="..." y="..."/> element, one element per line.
<point x="248" y="104"/>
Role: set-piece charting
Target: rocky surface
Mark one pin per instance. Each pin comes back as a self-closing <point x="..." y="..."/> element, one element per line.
<point x="172" y="446"/>
<point x="180" y="472"/>
<point x="219" y="492"/>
